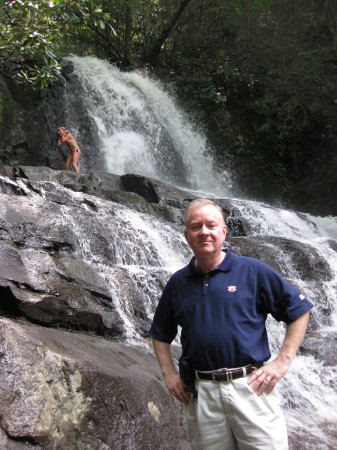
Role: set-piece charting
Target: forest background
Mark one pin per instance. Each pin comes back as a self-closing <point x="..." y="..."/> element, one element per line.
<point x="258" y="77"/>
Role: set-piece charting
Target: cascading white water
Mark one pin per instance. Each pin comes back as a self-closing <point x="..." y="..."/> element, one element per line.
<point x="309" y="388"/>
<point x="142" y="131"/>
<point x="140" y="248"/>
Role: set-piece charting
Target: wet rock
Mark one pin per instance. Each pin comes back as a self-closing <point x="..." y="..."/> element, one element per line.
<point x="284" y="255"/>
<point x="91" y="255"/>
<point x="315" y="345"/>
<point x="67" y="390"/>
<point x="65" y="292"/>
<point x="3" y="171"/>
<point x="142" y="186"/>
<point x="289" y="257"/>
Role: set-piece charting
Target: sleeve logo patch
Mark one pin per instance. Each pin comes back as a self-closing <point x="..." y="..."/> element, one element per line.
<point x="231" y="288"/>
<point x="302" y="297"/>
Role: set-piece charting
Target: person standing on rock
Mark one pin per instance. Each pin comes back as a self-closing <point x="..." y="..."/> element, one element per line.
<point x="221" y="302"/>
<point x="65" y="137"/>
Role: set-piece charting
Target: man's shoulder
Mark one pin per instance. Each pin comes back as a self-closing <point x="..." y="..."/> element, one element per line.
<point x="249" y="261"/>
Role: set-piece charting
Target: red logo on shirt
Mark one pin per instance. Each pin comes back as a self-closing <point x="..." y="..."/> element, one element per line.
<point x="231" y="288"/>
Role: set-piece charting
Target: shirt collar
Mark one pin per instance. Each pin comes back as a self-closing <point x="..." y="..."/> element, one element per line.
<point x="224" y="266"/>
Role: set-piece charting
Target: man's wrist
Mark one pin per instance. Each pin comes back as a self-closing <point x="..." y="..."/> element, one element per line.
<point x="285" y="358"/>
<point x="170" y="371"/>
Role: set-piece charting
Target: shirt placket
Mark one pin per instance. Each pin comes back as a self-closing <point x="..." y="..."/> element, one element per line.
<point x="206" y="285"/>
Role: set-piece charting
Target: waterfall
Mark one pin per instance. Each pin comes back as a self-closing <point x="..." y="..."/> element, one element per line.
<point x="142" y="130"/>
<point x="308" y="390"/>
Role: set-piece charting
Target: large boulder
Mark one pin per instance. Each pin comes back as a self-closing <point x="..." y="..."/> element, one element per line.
<point x="62" y="390"/>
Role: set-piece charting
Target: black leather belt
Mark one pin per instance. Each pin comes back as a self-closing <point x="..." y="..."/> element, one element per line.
<point x="227" y="374"/>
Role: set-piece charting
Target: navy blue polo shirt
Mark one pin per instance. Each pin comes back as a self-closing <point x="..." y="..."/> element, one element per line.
<point x="222" y="314"/>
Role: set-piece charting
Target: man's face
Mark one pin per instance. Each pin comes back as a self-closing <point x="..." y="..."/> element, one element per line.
<point x="205" y="230"/>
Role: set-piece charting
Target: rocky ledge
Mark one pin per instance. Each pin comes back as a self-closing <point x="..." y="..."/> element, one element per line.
<point x="70" y="376"/>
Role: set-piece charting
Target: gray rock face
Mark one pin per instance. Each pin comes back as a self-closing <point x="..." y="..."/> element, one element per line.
<point x="69" y="390"/>
<point x="73" y="389"/>
<point x="83" y="261"/>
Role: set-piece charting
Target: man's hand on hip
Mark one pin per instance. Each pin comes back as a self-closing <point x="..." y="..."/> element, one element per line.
<point x="266" y="378"/>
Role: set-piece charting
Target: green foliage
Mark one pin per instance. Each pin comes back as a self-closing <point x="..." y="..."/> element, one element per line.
<point x="259" y="76"/>
<point x="274" y="65"/>
<point x="8" y="152"/>
<point x="35" y="34"/>
<point x="31" y="33"/>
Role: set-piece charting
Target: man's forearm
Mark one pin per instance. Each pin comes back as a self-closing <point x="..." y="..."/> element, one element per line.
<point x="294" y="337"/>
<point x="169" y="371"/>
<point x="266" y="378"/>
<point x="164" y="356"/>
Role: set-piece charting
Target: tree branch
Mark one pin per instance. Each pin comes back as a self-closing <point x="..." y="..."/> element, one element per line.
<point x="155" y="50"/>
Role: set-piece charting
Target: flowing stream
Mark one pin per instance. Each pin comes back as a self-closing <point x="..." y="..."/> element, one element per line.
<point x="142" y="130"/>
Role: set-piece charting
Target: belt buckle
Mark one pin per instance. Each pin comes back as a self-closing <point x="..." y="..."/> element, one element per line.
<point x="225" y="372"/>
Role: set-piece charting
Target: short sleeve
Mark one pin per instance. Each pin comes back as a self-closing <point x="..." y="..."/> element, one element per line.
<point x="278" y="297"/>
<point x="164" y="327"/>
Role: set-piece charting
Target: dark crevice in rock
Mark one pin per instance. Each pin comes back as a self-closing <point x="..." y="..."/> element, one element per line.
<point x="140" y="185"/>
<point x="20" y="442"/>
<point x="19" y="173"/>
<point x="8" y="303"/>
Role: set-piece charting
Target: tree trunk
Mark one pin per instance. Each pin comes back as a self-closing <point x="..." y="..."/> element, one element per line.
<point x="128" y="33"/>
<point x="154" y="52"/>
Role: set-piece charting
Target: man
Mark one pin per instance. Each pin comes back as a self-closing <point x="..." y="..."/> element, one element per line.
<point x="65" y="137"/>
<point x="221" y="302"/>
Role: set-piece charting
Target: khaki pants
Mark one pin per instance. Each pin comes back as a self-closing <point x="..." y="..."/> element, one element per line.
<point x="229" y="416"/>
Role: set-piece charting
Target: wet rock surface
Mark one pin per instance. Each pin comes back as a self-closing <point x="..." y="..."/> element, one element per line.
<point x="80" y="276"/>
<point x="72" y="390"/>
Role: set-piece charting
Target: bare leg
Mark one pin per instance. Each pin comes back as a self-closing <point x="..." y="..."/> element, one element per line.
<point x="76" y="155"/>
<point x="69" y="161"/>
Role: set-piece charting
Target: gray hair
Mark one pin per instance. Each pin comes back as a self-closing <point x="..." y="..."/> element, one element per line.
<point x="200" y="202"/>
